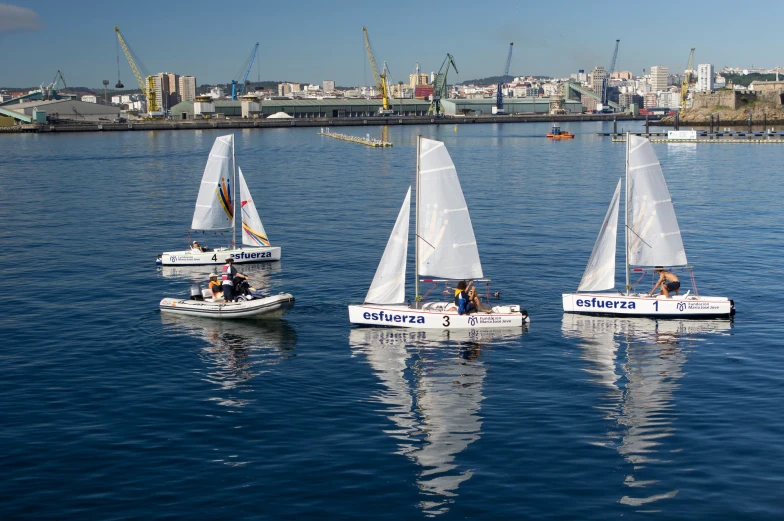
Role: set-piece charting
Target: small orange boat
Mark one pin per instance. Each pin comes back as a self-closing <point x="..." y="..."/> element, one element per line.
<point x="556" y="133"/>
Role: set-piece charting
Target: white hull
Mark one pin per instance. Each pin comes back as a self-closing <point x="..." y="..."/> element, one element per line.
<point x="269" y="307"/>
<point x="218" y="256"/>
<point x="436" y="315"/>
<point x="642" y="305"/>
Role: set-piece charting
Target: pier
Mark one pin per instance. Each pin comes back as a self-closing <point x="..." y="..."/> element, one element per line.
<point x="367" y="140"/>
<point x="732" y="138"/>
<point x="261" y="123"/>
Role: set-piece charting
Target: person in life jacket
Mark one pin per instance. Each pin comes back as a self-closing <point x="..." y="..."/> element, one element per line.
<point x="215" y="286"/>
<point x="230" y="276"/>
<point x="467" y="300"/>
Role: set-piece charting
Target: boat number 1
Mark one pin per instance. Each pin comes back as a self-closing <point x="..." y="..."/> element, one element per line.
<point x="656" y="305"/>
<point x="446" y="320"/>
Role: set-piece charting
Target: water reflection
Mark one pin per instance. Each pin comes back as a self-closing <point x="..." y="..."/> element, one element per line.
<point x="639" y="362"/>
<point x="260" y="274"/>
<point x="432" y="392"/>
<point x="235" y="352"/>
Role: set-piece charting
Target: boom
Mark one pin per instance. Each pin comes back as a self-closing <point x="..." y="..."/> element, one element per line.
<point x="686" y="81"/>
<point x="381" y="79"/>
<point x="499" y="99"/>
<point x="147" y="87"/>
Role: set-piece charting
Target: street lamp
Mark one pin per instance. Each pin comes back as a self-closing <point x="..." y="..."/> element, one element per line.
<point x="105" y="84"/>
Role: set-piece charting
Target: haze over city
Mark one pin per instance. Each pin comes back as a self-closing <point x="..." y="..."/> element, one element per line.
<point x="312" y="41"/>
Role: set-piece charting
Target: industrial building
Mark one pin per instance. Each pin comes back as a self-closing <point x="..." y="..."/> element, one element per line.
<point x="359" y="108"/>
<point x="39" y="111"/>
<point x="298" y="108"/>
<point x="484" y="106"/>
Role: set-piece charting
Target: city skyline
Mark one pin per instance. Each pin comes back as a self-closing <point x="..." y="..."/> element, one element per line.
<point x="311" y="41"/>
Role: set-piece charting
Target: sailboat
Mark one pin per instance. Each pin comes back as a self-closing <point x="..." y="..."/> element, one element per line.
<point x="652" y="241"/>
<point x="446" y="250"/>
<point x="216" y="210"/>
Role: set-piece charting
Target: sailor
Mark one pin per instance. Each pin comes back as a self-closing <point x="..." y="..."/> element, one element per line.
<point x="229" y="277"/>
<point x="196" y="248"/>
<point x="466" y="299"/>
<point x="216" y="288"/>
<point x="669" y="282"/>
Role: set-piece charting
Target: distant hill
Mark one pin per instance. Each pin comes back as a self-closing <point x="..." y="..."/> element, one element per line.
<point x="495" y="80"/>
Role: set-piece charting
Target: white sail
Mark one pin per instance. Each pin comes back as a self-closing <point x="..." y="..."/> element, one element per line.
<point x="600" y="271"/>
<point x="654" y="236"/>
<point x="447" y="246"/>
<point x="252" y="230"/>
<point x="215" y="203"/>
<point x="389" y="283"/>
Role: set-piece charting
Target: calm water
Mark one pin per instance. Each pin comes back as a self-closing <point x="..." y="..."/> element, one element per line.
<point x="112" y="411"/>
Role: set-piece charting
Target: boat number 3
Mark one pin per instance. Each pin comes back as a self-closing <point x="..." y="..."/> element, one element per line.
<point x="215" y="257"/>
<point x="656" y="305"/>
<point x="446" y="320"/>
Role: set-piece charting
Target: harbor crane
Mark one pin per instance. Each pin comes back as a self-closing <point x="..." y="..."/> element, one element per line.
<point x="146" y="82"/>
<point x="440" y="85"/>
<point x="499" y="97"/>
<point x="610" y="72"/>
<point x="686" y="81"/>
<point x="237" y="86"/>
<point x="381" y="79"/>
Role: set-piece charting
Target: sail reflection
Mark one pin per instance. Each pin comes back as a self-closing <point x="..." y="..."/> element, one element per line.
<point x="236" y="352"/>
<point x="432" y="393"/>
<point x="639" y="362"/>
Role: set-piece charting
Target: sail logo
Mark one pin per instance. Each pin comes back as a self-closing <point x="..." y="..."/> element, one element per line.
<point x="224" y="197"/>
<point x="254" y="235"/>
<point x="605" y="304"/>
<point x="399" y="319"/>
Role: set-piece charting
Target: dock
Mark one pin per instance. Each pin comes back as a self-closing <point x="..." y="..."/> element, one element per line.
<point x="732" y="138"/>
<point x="367" y="140"/>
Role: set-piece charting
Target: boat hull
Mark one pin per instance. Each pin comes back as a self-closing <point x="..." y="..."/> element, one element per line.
<point x="271" y="307"/>
<point x="435" y="316"/>
<point x="642" y="305"/>
<point x="218" y="256"/>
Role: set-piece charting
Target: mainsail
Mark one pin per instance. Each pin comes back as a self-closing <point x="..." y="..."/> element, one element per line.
<point x="215" y="203"/>
<point x="447" y="246"/>
<point x="654" y="235"/>
<point x="389" y="283"/>
<point x="600" y="271"/>
<point x="252" y="229"/>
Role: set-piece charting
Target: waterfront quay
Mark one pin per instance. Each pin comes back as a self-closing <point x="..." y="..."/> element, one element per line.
<point x="732" y="138"/>
<point x="240" y="123"/>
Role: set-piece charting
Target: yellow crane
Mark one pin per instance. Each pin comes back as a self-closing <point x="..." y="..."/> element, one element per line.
<point x="381" y="79"/>
<point x="147" y="85"/>
<point x="686" y="81"/>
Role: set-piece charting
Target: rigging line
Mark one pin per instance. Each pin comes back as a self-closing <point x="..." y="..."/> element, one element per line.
<point x="635" y="233"/>
<point x="423" y="240"/>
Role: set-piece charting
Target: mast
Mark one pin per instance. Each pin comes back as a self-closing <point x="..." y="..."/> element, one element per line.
<point x="416" y="226"/>
<point x="626" y="216"/>
<point x="234" y="200"/>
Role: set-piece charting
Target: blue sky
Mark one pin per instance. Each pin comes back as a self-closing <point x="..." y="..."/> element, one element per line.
<point x="310" y="41"/>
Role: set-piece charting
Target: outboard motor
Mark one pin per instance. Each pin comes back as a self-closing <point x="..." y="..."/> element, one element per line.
<point x="196" y="291"/>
